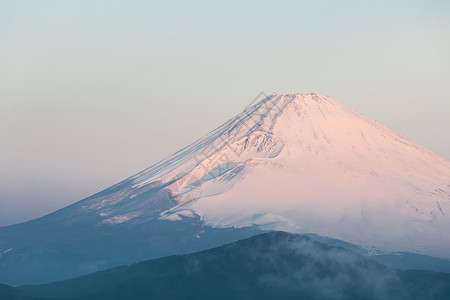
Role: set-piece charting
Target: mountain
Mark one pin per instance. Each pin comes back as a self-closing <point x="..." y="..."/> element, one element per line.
<point x="297" y="163"/>
<point x="274" y="265"/>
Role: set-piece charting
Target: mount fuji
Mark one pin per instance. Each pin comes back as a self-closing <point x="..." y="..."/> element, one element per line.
<point x="301" y="163"/>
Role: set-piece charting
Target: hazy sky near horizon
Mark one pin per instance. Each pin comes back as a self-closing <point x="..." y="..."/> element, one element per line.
<point x="92" y="92"/>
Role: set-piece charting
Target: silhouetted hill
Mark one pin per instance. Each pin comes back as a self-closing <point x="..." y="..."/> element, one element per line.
<point x="273" y="265"/>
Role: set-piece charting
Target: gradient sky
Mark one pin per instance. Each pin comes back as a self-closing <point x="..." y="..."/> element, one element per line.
<point x="92" y="92"/>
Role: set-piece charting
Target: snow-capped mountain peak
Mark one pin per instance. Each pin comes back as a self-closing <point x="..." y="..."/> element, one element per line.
<point x="305" y="163"/>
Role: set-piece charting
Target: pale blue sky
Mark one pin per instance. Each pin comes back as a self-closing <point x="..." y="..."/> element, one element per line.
<point x="92" y="92"/>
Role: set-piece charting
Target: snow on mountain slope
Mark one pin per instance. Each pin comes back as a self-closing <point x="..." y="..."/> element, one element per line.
<point x="305" y="163"/>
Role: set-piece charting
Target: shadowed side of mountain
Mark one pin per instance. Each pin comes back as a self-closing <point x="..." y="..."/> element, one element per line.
<point x="401" y="260"/>
<point x="273" y="265"/>
<point x="61" y="251"/>
<point x="412" y="261"/>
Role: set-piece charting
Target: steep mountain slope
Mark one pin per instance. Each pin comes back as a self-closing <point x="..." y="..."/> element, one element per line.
<point x="325" y="169"/>
<point x="274" y="265"/>
<point x="299" y="163"/>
